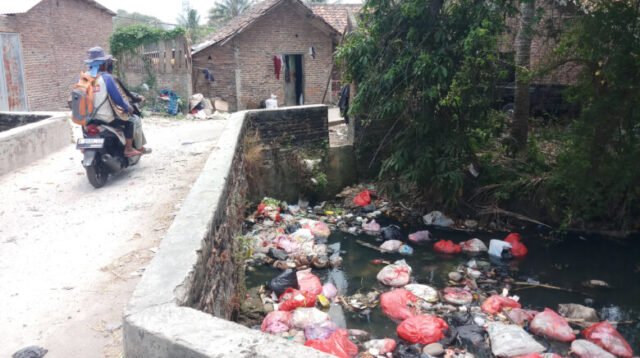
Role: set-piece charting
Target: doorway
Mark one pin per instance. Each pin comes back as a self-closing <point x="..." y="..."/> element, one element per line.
<point x="293" y="80"/>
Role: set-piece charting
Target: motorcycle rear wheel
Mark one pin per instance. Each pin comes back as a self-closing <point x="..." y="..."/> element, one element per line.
<point x="96" y="174"/>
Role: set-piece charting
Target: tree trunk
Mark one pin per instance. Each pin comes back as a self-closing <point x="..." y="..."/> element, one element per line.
<point x="521" y="101"/>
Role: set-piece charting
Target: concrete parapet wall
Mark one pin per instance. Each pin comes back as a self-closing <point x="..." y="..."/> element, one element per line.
<point x="159" y="321"/>
<point x="25" y="144"/>
<point x="300" y="125"/>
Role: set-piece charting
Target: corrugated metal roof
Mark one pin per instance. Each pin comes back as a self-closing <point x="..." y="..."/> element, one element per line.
<point x="22" y="6"/>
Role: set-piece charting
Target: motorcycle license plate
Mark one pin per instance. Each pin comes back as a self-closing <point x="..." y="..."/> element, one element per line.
<point x="90" y="143"/>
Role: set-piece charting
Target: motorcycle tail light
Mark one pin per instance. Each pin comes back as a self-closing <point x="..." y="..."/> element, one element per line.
<point x="92" y="130"/>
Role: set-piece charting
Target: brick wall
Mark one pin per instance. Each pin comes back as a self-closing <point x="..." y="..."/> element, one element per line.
<point x="55" y="36"/>
<point x="281" y="31"/>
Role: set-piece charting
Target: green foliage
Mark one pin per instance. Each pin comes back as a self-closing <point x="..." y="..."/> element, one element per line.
<point x="225" y="10"/>
<point x="430" y="73"/>
<point x="191" y="22"/>
<point x="131" y="37"/>
<point x="598" y="176"/>
<point x="124" y="19"/>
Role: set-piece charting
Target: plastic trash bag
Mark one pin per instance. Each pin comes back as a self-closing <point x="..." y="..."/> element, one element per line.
<point x="276" y="322"/>
<point x="380" y="346"/>
<point x="473" y="340"/>
<point x="318" y="228"/>
<point x="329" y="291"/>
<point x="363" y="199"/>
<point x="457" y="295"/>
<point x="519" y="316"/>
<point x="303" y="317"/>
<point x="285" y="280"/>
<point x="423" y="329"/>
<point x="371" y="226"/>
<point x="423" y="292"/>
<point x="320" y="330"/>
<point x="395" y="275"/>
<point x="405" y="250"/>
<point x="473" y="246"/>
<point x="550" y="324"/>
<point x="292" y="299"/>
<point x="290" y="246"/>
<point x="585" y="349"/>
<point x="437" y="218"/>
<point x="390" y="246"/>
<point x="337" y="344"/>
<point x="497" y="247"/>
<point x="607" y="337"/>
<point x="576" y="311"/>
<point x="446" y="247"/>
<point x="391" y="232"/>
<point x="308" y="282"/>
<point x="420" y="236"/>
<point x="511" y="340"/>
<point x="517" y="248"/>
<point x="302" y="235"/>
<point x="496" y="303"/>
<point x="395" y="304"/>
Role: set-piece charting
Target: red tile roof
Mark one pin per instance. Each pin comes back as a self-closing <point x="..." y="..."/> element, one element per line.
<point x="335" y="14"/>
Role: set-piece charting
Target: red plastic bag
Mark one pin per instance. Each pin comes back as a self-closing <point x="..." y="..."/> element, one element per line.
<point x="363" y="199"/>
<point x="446" y="247"/>
<point x="550" y="324"/>
<point x="496" y="303"/>
<point x="308" y="282"/>
<point x="517" y="248"/>
<point x="537" y="355"/>
<point x="337" y="344"/>
<point x="276" y="322"/>
<point x="394" y="304"/>
<point x="457" y="296"/>
<point x="293" y="299"/>
<point x="423" y="329"/>
<point x="607" y="337"/>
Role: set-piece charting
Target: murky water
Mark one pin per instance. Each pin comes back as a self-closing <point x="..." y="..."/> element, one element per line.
<point x="564" y="263"/>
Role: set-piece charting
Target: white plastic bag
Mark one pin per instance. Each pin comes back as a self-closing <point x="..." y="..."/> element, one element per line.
<point x="511" y="340"/>
<point x="497" y="246"/>
<point x="424" y="292"/>
<point x="303" y="317"/>
<point x="396" y="274"/>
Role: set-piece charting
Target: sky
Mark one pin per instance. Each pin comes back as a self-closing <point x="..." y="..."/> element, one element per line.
<point x="166" y="10"/>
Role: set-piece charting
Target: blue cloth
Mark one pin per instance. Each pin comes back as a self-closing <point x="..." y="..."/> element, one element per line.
<point x="113" y="92"/>
<point x="94" y="67"/>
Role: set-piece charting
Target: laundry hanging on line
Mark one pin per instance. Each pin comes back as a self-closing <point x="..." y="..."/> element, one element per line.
<point x="277" y="66"/>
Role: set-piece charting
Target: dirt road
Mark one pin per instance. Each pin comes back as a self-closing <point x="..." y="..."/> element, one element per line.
<point x="71" y="255"/>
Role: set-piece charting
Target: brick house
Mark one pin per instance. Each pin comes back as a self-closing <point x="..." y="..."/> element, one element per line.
<point x="243" y="55"/>
<point x="43" y="44"/>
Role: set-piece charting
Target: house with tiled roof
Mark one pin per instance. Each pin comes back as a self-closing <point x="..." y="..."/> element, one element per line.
<point x="279" y="47"/>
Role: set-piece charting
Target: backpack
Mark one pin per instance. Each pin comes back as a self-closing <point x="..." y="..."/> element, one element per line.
<point x="82" y="109"/>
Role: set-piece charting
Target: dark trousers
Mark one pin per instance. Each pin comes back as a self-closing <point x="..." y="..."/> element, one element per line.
<point x="127" y="127"/>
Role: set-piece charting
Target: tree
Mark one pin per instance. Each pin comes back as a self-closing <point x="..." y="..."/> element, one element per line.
<point x="191" y="22"/>
<point x="521" y="101"/>
<point x="124" y="19"/>
<point x="226" y="10"/>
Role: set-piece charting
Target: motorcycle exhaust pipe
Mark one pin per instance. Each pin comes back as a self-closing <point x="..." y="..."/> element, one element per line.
<point x="112" y="163"/>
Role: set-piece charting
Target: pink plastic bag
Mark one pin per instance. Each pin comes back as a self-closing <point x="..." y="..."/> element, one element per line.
<point x="585" y="349"/>
<point x="550" y="324"/>
<point x="607" y="337"/>
<point x="329" y="291"/>
<point x="337" y="344"/>
<point x="446" y="247"/>
<point x="423" y="329"/>
<point x="308" y="282"/>
<point x="420" y="236"/>
<point x="390" y="246"/>
<point x="371" y="226"/>
<point x="473" y="246"/>
<point x="457" y="296"/>
<point x="496" y="303"/>
<point x="395" y="275"/>
<point x="519" y="316"/>
<point x="320" y="330"/>
<point x="276" y="322"/>
<point x="395" y="304"/>
<point x="318" y="228"/>
<point x="287" y="245"/>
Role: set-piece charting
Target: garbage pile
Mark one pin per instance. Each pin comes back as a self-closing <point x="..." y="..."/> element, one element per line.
<point x="473" y="315"/>
<point x="203" y="108"/>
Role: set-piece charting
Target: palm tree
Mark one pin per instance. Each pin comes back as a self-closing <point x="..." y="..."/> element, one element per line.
<point x="191" y="22"/>
<point x="520" y="126"/>
<point x="227" y="9"/>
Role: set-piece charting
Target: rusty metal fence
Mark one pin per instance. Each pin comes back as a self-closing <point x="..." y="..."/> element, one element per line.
<point x="12" y="91"/>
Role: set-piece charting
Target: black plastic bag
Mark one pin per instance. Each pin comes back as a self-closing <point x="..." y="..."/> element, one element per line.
<point x="403" y="351"/>
<point x="278" y="254"/>
<point x="392" y="232"/>
<point x="472" y="338"/>
<point x="280" y="283"/>
<point x="292" y="228"/>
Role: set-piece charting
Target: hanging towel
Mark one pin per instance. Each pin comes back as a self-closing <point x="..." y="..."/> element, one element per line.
<point x="277" y="65"/>
<point x="208" y="75"/>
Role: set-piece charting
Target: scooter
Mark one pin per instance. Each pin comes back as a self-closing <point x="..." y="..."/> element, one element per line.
<point x="103" y="147"/>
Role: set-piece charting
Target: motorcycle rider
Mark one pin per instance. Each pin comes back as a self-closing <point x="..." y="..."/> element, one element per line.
<point x="105" y="89"/>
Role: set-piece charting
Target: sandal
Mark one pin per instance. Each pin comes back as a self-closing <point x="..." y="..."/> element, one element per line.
<point x="132" y="153"/>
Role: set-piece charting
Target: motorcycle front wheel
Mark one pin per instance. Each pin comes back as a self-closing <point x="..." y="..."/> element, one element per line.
<point x="96" y="174"/>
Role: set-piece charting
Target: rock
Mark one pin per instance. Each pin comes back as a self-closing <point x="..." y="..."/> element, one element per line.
<point x="30" y="352"/>
<point x="455" y="276"/>
<point x="576" y="311"/>
<point x="113" y="326"/>
<point x="433" y="349"/>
